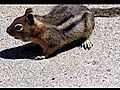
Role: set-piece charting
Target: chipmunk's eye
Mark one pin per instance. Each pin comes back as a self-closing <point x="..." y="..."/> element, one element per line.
<point x="18" y="27"/>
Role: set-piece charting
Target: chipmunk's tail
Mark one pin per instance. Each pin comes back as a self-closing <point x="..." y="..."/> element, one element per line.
<point x="109" y="12"/>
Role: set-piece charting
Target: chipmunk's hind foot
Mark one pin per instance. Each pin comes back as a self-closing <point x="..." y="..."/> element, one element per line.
<point x="87" y="45"/>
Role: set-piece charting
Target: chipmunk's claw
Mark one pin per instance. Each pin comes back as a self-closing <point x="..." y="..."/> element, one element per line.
<point x="39" y="57"/>
<point x="87" y="45"/>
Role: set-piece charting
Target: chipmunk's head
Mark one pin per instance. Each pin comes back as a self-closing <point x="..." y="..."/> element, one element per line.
<point x="25" y="26"/>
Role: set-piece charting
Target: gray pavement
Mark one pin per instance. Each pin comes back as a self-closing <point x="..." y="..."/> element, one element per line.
<point x="98" y="67"/>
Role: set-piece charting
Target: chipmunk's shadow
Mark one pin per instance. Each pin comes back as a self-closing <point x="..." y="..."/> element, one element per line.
<point x="30" y="51"/>
<point x="27" y="51"/>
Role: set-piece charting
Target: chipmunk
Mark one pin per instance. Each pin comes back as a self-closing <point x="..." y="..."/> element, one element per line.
<point x="63" y="25"/>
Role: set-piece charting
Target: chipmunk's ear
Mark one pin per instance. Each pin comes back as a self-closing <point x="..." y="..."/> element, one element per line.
<point x="28" y="10"/>
<point x="30" y="19"/>
<point x="29" y="16"/>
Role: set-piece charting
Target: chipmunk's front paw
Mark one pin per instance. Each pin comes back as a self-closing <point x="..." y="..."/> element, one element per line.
<point x="39" y="57"/>
<point x="87" y="45"/>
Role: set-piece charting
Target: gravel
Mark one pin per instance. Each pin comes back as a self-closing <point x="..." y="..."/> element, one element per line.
<point x="98" y="67"/>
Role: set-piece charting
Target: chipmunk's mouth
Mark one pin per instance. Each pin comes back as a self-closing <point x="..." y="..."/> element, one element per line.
<point x="24" y="40"/>
<point x="16" y="38"/>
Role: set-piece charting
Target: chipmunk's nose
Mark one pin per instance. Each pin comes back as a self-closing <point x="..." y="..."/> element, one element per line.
<point x="8" y="31"/>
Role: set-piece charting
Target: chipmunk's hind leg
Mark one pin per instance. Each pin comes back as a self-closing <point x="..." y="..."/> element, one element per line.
<point x="87" y="45"/>
<point x="89" y="26"/>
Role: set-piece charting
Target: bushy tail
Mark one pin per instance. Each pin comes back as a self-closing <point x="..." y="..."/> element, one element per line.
<point x="109" y="12"/>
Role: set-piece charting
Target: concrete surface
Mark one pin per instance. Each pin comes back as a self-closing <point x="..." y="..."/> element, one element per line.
<point x="98" y="67"/>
